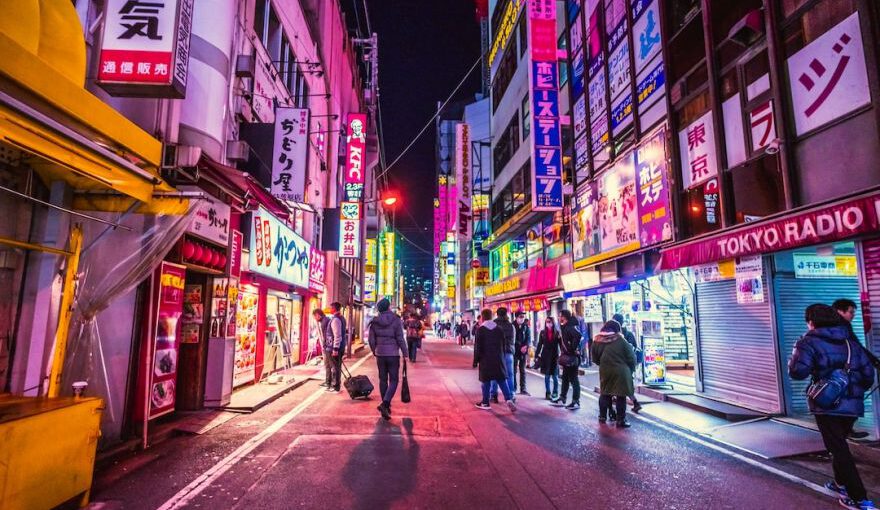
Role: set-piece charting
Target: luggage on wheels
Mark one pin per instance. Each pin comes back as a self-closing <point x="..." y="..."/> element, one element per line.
<point x="358" y="386"/>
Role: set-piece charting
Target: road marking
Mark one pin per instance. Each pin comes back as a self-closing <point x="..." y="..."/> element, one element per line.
<point x="720" y="449"/>
<point x="188" y="493"/>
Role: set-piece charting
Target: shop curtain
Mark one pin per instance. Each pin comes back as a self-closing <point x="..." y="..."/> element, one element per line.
<point x="114" y="262"/>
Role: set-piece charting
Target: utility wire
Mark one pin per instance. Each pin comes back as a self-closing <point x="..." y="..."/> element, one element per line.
<point x="433" y="117"/>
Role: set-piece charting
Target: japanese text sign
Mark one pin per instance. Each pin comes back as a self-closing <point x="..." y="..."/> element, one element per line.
<point x="652" y="190"/>
<point x="211" y="221"/>
<point x="289" y="171"/>
<point x="317" y="270"/>
<point x="145" y="48"/>
<point x="699" y="162"/>
<point x="463" y="177"/>
<point x="355" y="157"/>
<point x="350" y="230"/>
<point x="277" y="251"/>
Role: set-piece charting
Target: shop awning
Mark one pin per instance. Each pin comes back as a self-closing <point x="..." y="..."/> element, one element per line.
<point x="807" y="226"/>
<point x="248" y="187"/>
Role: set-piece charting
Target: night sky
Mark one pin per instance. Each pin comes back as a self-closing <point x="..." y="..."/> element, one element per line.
<point x="425" y="47"/>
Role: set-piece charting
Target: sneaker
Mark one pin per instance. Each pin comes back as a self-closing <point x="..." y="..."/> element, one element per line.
<point x="495" y="399"/>
<point x="624" y="424"/>
<point x="554" y="396"/>
<point x="511" y="404"/>
<point x="547" y="396"/>
<point x="558" y="402"/>
<point x="324" y="385"/>
<point x="858" y="434"/>
<point x="603" y="419"/>
<point x="526" y="393"/>
<point x="857" y="505"/>
<point x="484" y="406"/>
<point x="384" y="411"/>
<point x="612" y="415"/>
<point x="574" y="406"/>
<point x="637" y="407"/>
<point x="840" y="490"/>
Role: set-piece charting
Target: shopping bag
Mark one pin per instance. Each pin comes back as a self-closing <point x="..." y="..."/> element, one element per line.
<point x="404" y="390"/>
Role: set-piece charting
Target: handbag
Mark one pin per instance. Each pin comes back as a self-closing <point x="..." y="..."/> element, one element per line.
<point x="567" y="360"/>
<point x="404" y="389"/>
<point x="826" y="393"/>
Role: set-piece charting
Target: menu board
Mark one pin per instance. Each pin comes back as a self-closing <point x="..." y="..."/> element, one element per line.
<point x="164" y="377"/>
<point x="654" y="348"/>
<point x="224" y="303"/>
<point x="193" y="314"/>
<point x="245" y="338"/>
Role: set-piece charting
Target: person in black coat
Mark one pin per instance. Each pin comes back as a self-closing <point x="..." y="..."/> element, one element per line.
<point x="630" y="338"/>
<point x="522" y="344"/>
<point x="489" y="357"/>
<point x="822" y="353"/>
<point x="571" y="341"/>
<point x="503" y="323"/>
<point x="547" y="356"/>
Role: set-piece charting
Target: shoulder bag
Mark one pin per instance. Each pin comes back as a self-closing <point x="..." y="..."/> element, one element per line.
<point x="404" y="388"/>
<point x="827" y="392"/>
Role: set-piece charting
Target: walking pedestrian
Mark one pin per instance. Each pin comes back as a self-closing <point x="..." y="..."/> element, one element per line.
<point x="584" y="347"/>
<point x="828" y="355"/>
<point x="325" y="336"/>
<point x="414" y="332"/>
<point x="569" y="360"/>
<point x="463" y="333"/>
<point x="386" y="341"/>
<point x="521" y="345"/>
<point x="489" y="356"/>
<point x="846" y="308"/>
<point x="630" y="338"/>
<point x="507" y="330"/>
<point x="338" y="332"/>
<point x="617" y="362"/>
<point x="547" y="357"/>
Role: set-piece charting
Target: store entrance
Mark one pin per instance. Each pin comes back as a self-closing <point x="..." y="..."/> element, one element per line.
<point x="283" y="319"/>
<point x="820" y="274"/>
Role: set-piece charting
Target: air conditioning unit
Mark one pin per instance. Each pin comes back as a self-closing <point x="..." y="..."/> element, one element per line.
<point x="748" y="30"/>
<point x="237" y="150"/>
<point x="245" y="66"/>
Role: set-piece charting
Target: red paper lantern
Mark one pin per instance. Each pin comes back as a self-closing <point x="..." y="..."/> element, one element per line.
<point x="207" y="255"/>
<point x="197" y="253"/>
<point x="222" y="263"/>
<point x="189" y="249"/>
<point x="215" y="258"/>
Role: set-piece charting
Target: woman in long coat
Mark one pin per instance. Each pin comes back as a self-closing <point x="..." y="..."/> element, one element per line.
<point x="617" y="362"/>
<point x="546" y="356"/>
<point x="489" y="357"/>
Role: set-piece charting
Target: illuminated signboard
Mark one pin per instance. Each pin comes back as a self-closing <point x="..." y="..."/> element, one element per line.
<point x="289" y="171"/>
<point x="387" y="263"/>
<point x="145" y="48"/>
<point x="371" y="264"/>
<point x="546" y="160"/>
<point x="317" y="270"/>
<point x="504" y="29"/>
<point x="277" y="251"/>
<point x="350" y="213"/>
<point x="463" y="177"/>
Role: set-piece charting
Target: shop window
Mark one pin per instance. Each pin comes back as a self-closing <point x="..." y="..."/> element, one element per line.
<point x="526" y="116"/>
<point x="535" y="245"/>
<point x="507" y="145"/>
<point x="518" y="188"/>
<point x="756" y="189"/>
<point x="504" y="74"/>
<point x="693" y="110"/>
<point x="260" y="13"/>
<point x="815" y="22"/>
<point x="757" y="69"/>
<point x="681" y="13"/>
<point x="727" y="13"/>
<point x="689" y="49"/>
<point x="523" y="36"/>
<point x="563" y="64"/>
<point x="273" y="38"/>
<point x="701" y="207"/>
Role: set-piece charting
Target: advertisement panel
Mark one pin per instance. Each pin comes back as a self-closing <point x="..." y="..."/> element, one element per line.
<point x="655" y="215"/>
<point x="699" y="162"/>
<point x="350" y="212"/>
<point x="289" y="153"/>
<point x="618" y="216"/>
<point x="463" y="178"/>
<point x="586" y="241"/>
<point x="350" y="230"/>
<point x="317" y="270"/>
<point x="276" y="251"/>
<point x="646" y="32"/>
<point x="171" y="279"/>
<point x="371" y="263"/>
<point x="546" y="158"/>
<point x="145" y="48"/>
<point x="654" y="348"/>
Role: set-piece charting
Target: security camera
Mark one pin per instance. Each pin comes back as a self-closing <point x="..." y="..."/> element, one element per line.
<point x="773" y="147"/>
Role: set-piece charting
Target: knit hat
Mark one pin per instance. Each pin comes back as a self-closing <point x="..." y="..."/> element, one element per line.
<point x="383" y="305"/>
<point x="611" y="326"/>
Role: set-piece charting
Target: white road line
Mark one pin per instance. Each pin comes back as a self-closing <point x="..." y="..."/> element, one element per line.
<point x="188" y="493"/>
<point x="720" y="449"/>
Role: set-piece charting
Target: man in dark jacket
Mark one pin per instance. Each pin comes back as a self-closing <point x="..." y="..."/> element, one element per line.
<point x="507" y="330"/>
<point x="322" y="324"/>
<point x="630" y="338"/>
<point x="414" y="332"/>
<point x="489" y="357"/>
<point x="338" y="337"/>
<point x="386" y="340"/>
<point x="521" y="344"/>
<point x="571" y="341"/>
<point x="825" y="348"/>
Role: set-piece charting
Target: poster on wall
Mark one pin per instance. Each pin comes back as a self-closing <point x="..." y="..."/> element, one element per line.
<point x="618" y="213"/>
<point x="655" y="216"/>
<point x="811" y="265"/>
<point x="171" y="282"/>
<point x="579" y="115"/>
<point x="654" y="349"/>
<point x="595" y="55"/>
<point x="586" y="238"/>
<point x="749" y="289"/>
<point x="646" y="32"/>
<point x="619" y="76"/>
<point x="828" y="77"/>
<point x="245" y="363"/>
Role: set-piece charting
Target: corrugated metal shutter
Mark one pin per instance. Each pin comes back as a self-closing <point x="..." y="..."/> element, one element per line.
<point x="871" y="263"/>
<point x="737" y="348"/>
<point x="793" y="296"/>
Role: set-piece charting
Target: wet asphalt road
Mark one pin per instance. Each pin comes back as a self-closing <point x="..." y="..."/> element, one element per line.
<point x="440" y="452"/>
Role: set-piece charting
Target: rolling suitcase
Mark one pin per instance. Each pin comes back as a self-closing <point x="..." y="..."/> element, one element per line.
<point x="358" y="386"/>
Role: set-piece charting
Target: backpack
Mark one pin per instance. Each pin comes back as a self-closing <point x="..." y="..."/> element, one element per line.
<point x="412" y="329"/>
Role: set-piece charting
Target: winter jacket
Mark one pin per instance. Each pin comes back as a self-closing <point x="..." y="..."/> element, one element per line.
<point x="617" y="362"/>
<point x="547" y="352"/>
<point x="337" y="332"/>
<point x="326" y="333"/>
<point x="522" y="337"/>
<point x="823" y="350"/>
<point x="631" y="339"/>
<point x="571" y="339"/>
<point x="463" y="330"/>
<point x="508" y="332"/>
<point x="489" y="352"/>
<point x="386" y="335"/>
<point x="414" y="328"/>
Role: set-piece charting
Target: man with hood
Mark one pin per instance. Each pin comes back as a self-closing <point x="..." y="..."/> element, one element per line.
<point x="825" y="353"/>
<point x="522" y="343"/>
<point x="617" y="361"/>
<point x="509" y="334"/>
<point x="489" y="357"/>
<point x="386" y="340"/>
<point x="569" y="361"/>
<point x="630" y="338"/>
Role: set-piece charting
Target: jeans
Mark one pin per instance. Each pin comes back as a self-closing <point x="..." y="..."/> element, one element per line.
<point x="605" y="403"/>
<point x="505" y="389"/>
<point x="389" y="377"/>
<point x="554" y="375"/>
<point x="570" y="378"/>
<point x="508" y="365"/>
<point x="834" y="430"/>
<point x="413" y="344"/>
<point x="328" y="366"/>
<point x="335" y="371"/>
<point x="519" y="368"/>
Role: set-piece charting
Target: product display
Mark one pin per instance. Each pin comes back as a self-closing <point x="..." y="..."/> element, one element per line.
<point x="246" y="339"/>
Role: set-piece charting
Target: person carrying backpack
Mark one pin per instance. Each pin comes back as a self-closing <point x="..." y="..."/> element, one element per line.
<point x="386" y="339"/>
<point x="841" y="374"/>
<point x="414" y="334"/>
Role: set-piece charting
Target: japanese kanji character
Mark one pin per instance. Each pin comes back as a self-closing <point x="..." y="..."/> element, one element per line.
<point x="700" y="167"/>
<point x="696" y="136"/>
<point x="142" y="19"/>
<point x="284" y="181"/>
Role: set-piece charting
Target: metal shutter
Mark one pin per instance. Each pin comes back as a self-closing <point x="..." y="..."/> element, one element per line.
<point x="737" y="348"/>
<point x="793" y="296"/>
<point x="871" y="269"/>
